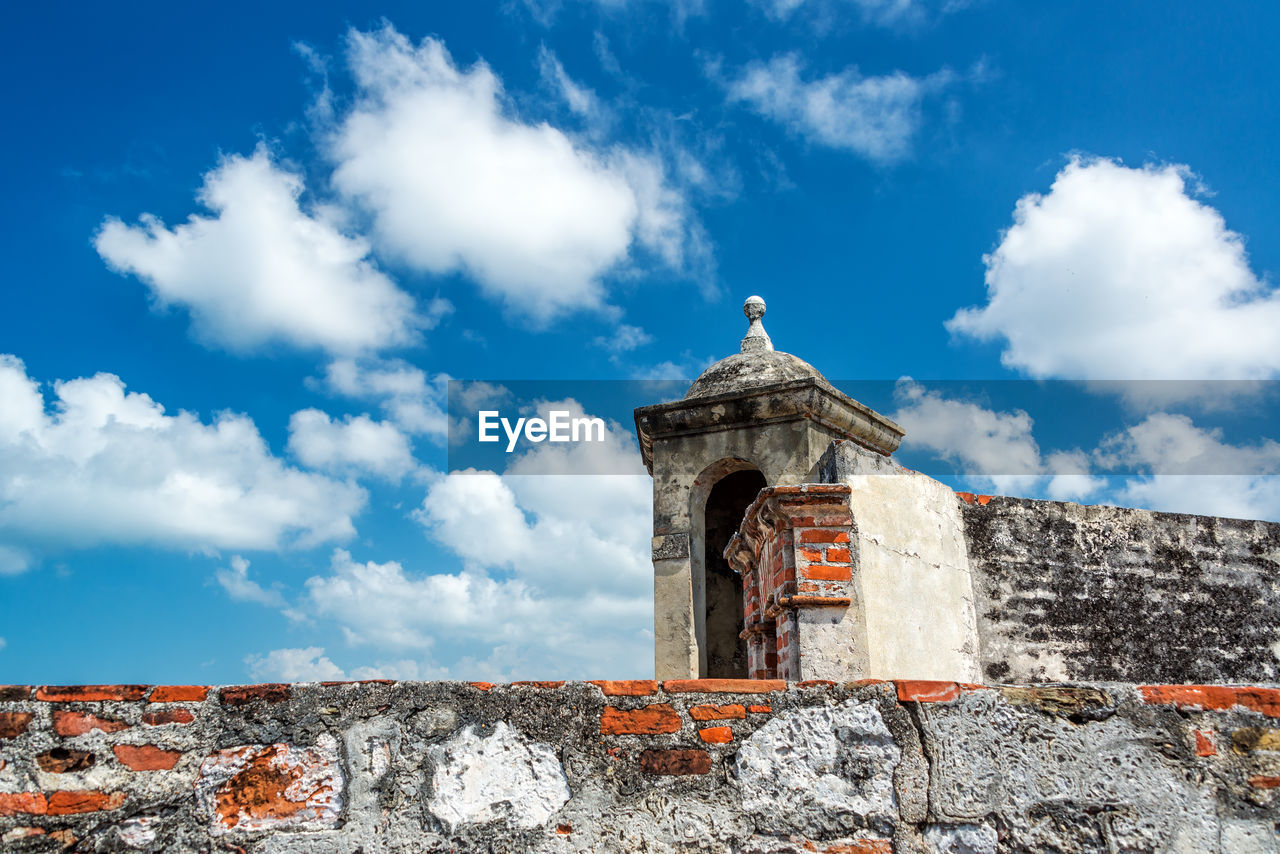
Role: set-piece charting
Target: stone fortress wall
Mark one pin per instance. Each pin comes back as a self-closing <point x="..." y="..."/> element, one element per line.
<point x="880" y="572"/>
<point x="710" y="765"/>
<point x="867" y="603"/>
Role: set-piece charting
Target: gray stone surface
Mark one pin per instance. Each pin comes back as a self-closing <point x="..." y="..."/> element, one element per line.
<point x="1071" y="592"/>
<point x="427" y="767"/>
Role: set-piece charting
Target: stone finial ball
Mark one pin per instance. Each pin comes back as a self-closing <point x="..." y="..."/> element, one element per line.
<point x="753" y="308"/>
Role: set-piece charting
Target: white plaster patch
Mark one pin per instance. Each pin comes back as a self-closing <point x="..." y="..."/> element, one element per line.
<point x="499" y="777"/>
<point x="914" y="578"/>
<point x="820" y="760"/>
<point x="1248" y="837"/>
<point x="961" y="839"/>
<point x="138" y="832"/>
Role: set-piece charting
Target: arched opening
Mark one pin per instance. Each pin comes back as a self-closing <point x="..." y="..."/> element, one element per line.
<point x="726" y="651"/>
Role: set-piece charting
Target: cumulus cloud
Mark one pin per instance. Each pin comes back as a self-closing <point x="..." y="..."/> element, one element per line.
<point x="1164" y="462"/>
<point x="623" y="339"/>
<point x="555" y="577"/>
<point x="1121" y="273"/>
<point x="998" y="447"/>
<point x="876" y="117"/>
<point x="235" y="580"/>
<point x="109" y="466"/>
<point x="408" y="397"/>
<point x="1194" y="469"/>
<point x="454" y="181"/>
<point x="262" y="269"/>
<point x="354" y="445"/>
<point x="293" y="665"/>
<point x="310" y="664"/>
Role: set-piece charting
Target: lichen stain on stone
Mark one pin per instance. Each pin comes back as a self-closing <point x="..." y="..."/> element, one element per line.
<point x="260" y="787"/>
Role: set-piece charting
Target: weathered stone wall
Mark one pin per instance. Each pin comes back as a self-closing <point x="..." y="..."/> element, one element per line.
<point x="1072" y="592"/>
<point x="714" y="765"/>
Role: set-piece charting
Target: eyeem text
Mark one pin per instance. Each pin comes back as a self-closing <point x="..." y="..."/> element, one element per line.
<point x="557" y="427"/>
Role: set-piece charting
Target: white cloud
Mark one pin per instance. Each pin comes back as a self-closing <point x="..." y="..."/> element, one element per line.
<point x="1172" y="444"/>
<point x="1194" y="470"/>
<point x="310" y="664"/>
<point x="556" y="577"/>
<point x="623" y="339"/>
<point x="579" y="99"/>
<point x="997" y="447"/>
<point x="235" y="580"/>
<point x="411" y="399"/>
<point x="455" y="182"/>
<point x="1119" y="273"/>
<point x="1188" y="469"/>
<point x="354" y="445"/>
<point x="262" y="269"/>
<point x="886" y="13"/>
<point x="872" y="116"/>
<point x="108" y="466"/>
<point x="1232" y="496"/>
<point x="293" y="665"/>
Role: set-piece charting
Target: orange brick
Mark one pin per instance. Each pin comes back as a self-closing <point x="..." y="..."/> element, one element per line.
<point x="926" y="691"/>
<point x="626" y="687"/>
<point x="807" y="587"/>
<point x="676" y="762"/>
<point x="89" y="693"/>
<point x="838" y="556"/>
<point x="74" y="803"/>
<point x="814" y="555"/>
<point x="12" y="693"/>
<point x="564" y="829"/>
<point x="1261" y="782"/>
<point x="724" y="686"/>
<point x="829" y="573"/>
<point x="14" y="724"/>
<point x="650" y="720"/>
<point x="146" y="757"/>
<point x="1204" y="744"/>
<point x="23" y="803"/>
<point x="717" y="713"/>
<point x="1214" y="697"/>
<point x="861" y="846"/>
<point x="241" y="695"/>
<point x="716" y="735"/>
<point x="483" y="686"/>
<point x="61" y="760"/>
<point x="759" y="710"/>
<point x="168" y="716"/>
<point x="179" y="694"/>
<point x="78" y="723"/>
<point x="824" y="535"/>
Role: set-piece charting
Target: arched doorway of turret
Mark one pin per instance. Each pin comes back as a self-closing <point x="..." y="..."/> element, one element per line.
<point x="718" y="500"/>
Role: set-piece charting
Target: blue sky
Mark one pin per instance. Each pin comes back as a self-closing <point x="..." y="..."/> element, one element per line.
<point x="247" y="249"/>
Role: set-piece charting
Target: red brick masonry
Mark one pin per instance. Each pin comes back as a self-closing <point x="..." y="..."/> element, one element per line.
<point x="677" y="728"/>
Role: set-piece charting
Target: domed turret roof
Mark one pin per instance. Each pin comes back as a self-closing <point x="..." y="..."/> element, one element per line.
<point x="758" y="364"/>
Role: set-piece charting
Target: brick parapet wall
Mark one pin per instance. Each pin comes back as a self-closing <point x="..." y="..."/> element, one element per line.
<point x="720" y="765"/>
<point x="793" y="551"/>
